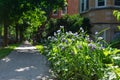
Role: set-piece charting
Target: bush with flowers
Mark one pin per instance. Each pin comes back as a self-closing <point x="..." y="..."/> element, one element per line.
<point x="74" y="56"/>
<point x="70" y="23"/>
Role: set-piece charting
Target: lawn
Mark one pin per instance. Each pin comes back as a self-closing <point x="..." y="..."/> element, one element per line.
<point x="6" y="50"/>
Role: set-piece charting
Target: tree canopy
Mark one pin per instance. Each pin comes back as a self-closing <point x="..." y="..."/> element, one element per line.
<point x="28" y="13"/>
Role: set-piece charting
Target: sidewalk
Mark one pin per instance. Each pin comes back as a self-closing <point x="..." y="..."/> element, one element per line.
<point x="24" y="63"/>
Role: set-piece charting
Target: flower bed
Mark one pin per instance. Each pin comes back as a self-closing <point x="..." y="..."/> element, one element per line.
<point x="73" y="56"/>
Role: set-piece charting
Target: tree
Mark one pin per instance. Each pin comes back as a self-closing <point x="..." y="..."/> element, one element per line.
<point x="28" y="12"/>
<point x="5" y="9"/>
<point x="49" y="5"/>
<point x="33" y="19"/>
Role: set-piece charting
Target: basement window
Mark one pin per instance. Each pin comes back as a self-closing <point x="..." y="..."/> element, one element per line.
<point x="117" y="2"/>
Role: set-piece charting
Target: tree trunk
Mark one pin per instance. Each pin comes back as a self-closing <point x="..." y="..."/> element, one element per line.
<point x="5" y="34"/>
<point x="17" y="33"/>
<point x="21" y="34"/>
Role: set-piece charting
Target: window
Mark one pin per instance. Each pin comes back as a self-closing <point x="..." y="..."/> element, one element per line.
<point x="101" y="3"/>
<point x="117" y="2"/>
<point x="64" y="10"/>
<point x="84" y="5"/>
<point x="87" y="4"/>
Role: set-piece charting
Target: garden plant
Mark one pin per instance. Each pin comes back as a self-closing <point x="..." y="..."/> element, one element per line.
<point x="70" y="23"/>
<point x="74" y="56"/>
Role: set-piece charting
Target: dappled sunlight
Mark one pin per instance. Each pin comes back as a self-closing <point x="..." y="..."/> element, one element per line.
<point x="25" y="69"/>
<point x="25" y="48"/>
<point x="116" y="57"/>
<point x="22" y="65"/>
<point x="41" y="77"/>
<point x="7" y="59"/>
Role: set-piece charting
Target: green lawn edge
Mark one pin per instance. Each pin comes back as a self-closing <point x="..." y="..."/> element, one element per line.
<point x="6" y="50"/>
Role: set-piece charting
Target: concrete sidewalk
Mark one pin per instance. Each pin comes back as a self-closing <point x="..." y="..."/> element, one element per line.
<point x="24" y="63"/>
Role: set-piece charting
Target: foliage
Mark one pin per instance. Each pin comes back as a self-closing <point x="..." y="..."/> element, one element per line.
<point x="86" y="25"/>
<point x="40" y="48"/>
<point x="70" y="23"/>
<point x="48" y="6"/>
<point x="116" y="13"/>
<point x="51" y="26"/>
<point x="30" y="11"/>
<point x="116" y="40"/>
<point x="33" y="19"/>
<point x="6" y="50"/>
<point x="74" y="56"/>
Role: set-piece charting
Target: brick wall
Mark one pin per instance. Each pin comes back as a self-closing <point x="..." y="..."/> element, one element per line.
<point x="72" y="8"/>
<point x="101" y="16"/>
<point x="110" y="2"/>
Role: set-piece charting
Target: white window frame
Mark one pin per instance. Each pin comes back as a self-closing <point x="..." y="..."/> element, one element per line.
<point x="85" y="5"/>
<point x="100" y="6"/>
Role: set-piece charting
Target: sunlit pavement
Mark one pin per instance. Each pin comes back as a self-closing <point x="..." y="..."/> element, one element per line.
<point x="25" y="63"/>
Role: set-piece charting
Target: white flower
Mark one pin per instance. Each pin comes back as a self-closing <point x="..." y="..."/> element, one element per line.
<point x="61" y="45"/>
<point x="45" y="46"/>
<point x="61" y="26"/>
<point x="81" y="28"/>
<point x="55" y="39"/>
<point x="76" y="34"/>
<point x="55" y="34"/>
<point x="92" y="46"/>
<point x="49" y="37"/>
<point x="58" y="31"/>
<point x="73" y="39"/>
<point x="96" y="33"/>
<point x="100" y="38"/>
<point x="67" y="33"/>
<point x="70" y="32"/>
<point x="82" y="31"/>
<point x="63" y="39"/>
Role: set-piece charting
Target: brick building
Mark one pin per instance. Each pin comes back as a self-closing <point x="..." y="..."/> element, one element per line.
<point x="71" y="8"/>
<point x="100" y="13"/>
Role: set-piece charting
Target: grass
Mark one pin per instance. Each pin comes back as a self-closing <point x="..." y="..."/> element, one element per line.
<point x="6" y="50"/>
<point x="40" y="48"/>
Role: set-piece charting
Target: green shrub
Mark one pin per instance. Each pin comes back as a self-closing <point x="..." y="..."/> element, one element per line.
<point x="51" y="26"/>
<point x="73" y="56"/>
<point x="40" y="48"/>
<point x="86" y="25"/>
<point x="70" y="23"/>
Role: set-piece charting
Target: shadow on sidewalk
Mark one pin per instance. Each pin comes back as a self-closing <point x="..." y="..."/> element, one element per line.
<point x="24" y="63"/>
